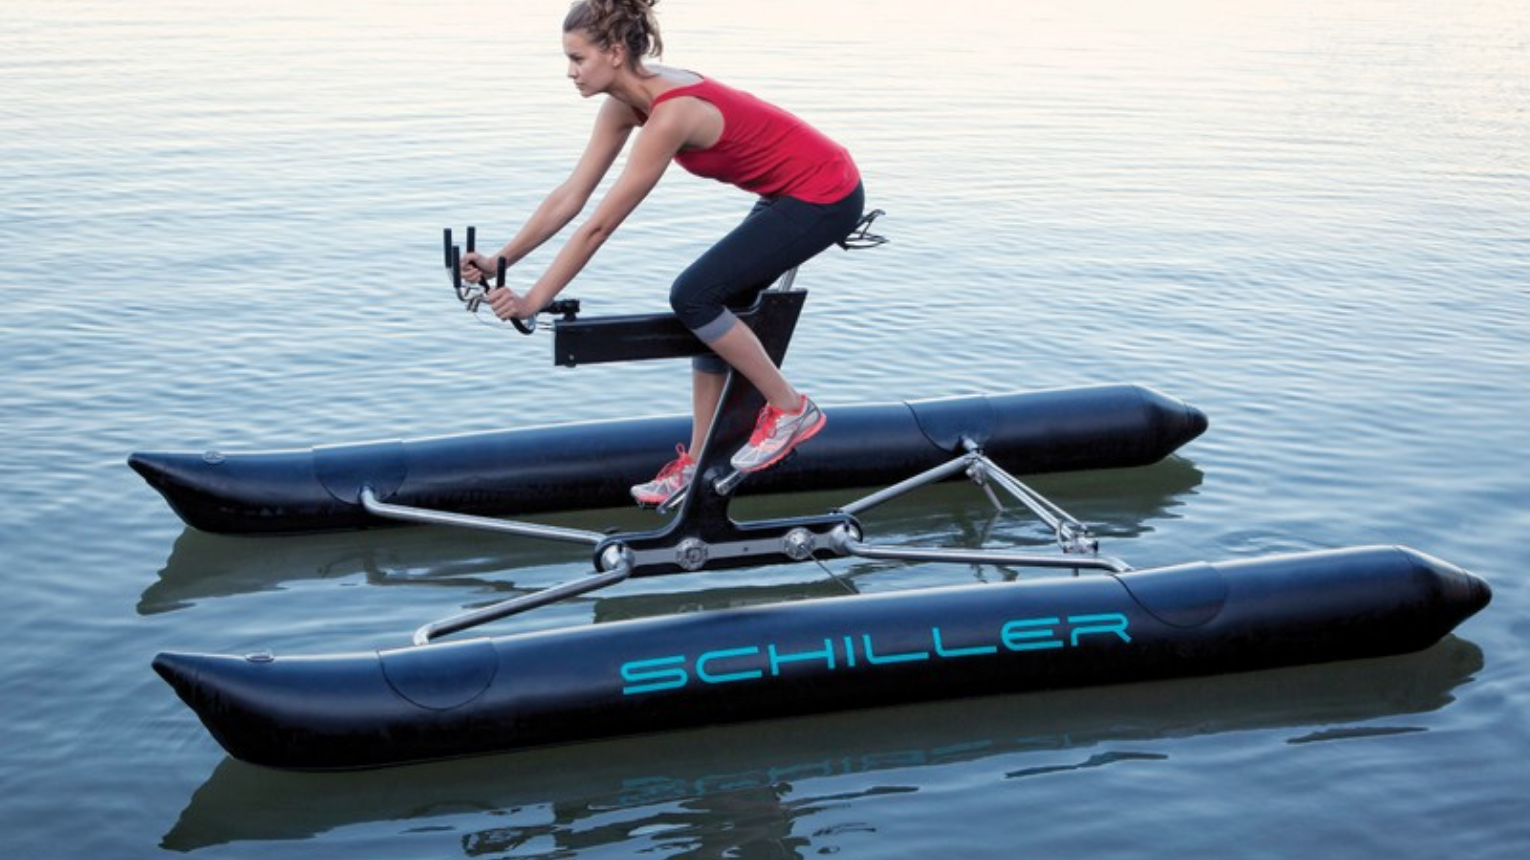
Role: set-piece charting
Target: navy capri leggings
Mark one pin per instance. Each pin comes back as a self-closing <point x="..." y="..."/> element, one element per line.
<point x="779" y="233"/>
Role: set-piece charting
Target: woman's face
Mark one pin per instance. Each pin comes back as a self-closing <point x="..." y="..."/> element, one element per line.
<point x="590" y="67"/>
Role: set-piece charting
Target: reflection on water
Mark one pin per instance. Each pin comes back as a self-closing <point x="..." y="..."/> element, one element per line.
<point x="719" y="792"/>
<point x="1098" y="760"/>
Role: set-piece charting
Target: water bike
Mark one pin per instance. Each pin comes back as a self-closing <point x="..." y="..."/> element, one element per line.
<point x="1102" y="622"/>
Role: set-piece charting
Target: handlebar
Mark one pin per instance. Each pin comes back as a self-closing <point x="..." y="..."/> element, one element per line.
<point x="472" y="295"/>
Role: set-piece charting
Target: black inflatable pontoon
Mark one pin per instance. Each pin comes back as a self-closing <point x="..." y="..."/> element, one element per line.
<point x="439" y="700"/>
<point x="591" y="465"/>
<point x="493" y="694"/>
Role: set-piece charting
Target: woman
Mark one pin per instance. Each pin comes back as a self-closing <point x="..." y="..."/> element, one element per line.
<point x="809" y="193"/>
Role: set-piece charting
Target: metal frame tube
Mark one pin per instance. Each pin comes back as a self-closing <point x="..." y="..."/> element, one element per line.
<point x="1038" y="504"/>
<point x="931" y="476"/>
<point x="376" y="507"/>
<point x="516" y="605"/>
<point x="1080" y="550"/>
<point x="978" y="556"/>
<point x="1072" y="535"/>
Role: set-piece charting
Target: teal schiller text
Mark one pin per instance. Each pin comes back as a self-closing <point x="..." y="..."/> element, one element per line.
<point x="758" y="662"/>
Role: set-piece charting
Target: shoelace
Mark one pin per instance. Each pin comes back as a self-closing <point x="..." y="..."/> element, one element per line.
<point x="766" y="425"/>
<point x="676" y="465"/>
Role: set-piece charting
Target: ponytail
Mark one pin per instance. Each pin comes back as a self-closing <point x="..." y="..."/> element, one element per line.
<point x="630" y="23"/>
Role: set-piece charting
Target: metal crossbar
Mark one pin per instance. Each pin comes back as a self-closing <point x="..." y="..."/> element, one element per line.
<point x="1073" y="537"/>
<point x="405" y="513"/>
<point x="791" y="541"/>
<point x="517" y="605"/>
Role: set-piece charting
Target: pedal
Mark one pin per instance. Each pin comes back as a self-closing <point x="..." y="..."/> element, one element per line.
<point x="725" y="485"/>
<point x="728" y="483"/>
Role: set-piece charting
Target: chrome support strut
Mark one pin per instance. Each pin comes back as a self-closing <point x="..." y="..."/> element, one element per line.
<point x="933" y="476"/>
<point x="617" y="561"/>
<point x="1072" y="536"/>
<point x="379" y="508"/>
<point x="516" y="605"/>
<point x="849" y="544"/>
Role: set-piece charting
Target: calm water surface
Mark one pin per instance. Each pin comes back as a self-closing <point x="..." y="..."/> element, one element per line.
<point x="219" y="228"/>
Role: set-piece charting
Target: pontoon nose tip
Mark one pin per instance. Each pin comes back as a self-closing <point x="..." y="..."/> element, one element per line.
<point x="1178" y="418"/>
<point x="1196" y="421"/>
<point x="164" y="470"/>
<point x="144" y="465"/>
<point x="1482" y="593"/>
<point x="161" y="468"/>
<point x="1184" y="422"/>
<point x="1459" y="589"/>
<point x="179" y="671"/>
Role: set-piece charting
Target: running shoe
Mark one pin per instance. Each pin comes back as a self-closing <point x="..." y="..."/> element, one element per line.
<point x="674" y="477"/>
<point x="776" y="433"/>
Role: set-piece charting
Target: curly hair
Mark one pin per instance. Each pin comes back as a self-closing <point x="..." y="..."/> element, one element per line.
<point x="630" y="23"/>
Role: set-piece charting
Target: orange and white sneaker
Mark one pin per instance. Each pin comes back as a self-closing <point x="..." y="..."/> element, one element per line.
<point x="776" y="433"/>
<point x="674" y="477"/>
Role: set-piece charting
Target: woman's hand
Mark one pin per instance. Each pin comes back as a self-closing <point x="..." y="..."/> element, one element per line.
<point x="509" y="306"/>
<point x="479" y="268"/>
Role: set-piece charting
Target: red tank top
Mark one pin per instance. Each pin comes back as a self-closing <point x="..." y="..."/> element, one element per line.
<point x="765" y="150"/>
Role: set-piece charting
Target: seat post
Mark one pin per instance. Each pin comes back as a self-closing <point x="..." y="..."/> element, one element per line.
<point x="704" y="510"/>
<point x="701" y="535"/>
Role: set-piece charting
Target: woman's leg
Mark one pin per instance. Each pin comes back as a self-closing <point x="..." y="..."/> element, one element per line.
<point x="742" y="350"/>
<point x="775" y="236"/>
<point x="706" y="393"/>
